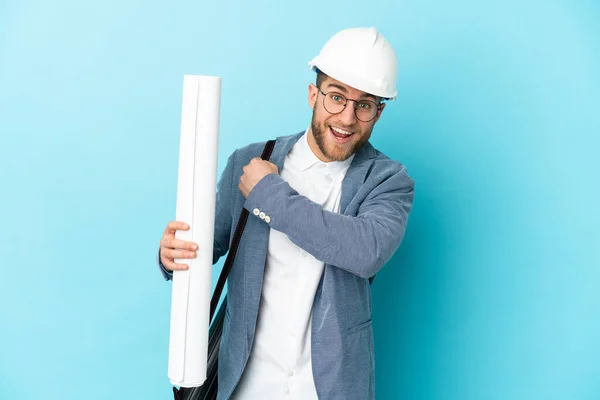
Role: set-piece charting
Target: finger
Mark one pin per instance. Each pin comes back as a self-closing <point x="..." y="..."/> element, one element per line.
<point x="176" y="225"/>
<point x="171" y="254"/>
<point x="172" y="266"/>
<point x="172" y="243"/>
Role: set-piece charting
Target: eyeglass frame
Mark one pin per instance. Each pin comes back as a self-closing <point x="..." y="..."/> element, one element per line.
<point x="379" y="106"/>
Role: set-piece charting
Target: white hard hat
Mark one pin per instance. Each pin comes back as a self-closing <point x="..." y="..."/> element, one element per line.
<point x="361" y="58"/>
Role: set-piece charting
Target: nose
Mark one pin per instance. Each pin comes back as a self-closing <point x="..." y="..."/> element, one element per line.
<point x="348" y="116"/>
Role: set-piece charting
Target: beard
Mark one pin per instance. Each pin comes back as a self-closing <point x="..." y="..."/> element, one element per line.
<point x="335" y="151"/>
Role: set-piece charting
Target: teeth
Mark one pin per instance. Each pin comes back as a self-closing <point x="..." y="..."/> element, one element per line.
<point x="341" y="131"/>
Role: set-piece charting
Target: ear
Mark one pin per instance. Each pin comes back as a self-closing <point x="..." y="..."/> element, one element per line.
<point x="313" y="92"/>
<point x="379" y="112"/>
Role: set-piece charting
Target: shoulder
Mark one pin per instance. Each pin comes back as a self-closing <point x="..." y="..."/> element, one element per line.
<point x="384" y="168"/>
<point x="244" y="154"/>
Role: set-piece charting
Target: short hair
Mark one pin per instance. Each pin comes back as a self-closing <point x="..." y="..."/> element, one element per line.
<point x="321" y="77"/>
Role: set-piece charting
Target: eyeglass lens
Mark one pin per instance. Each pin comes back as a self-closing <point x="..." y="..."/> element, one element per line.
<point x="365" y="110"/>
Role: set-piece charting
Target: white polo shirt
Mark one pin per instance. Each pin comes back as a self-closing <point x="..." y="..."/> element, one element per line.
<point x="280" y="360"/>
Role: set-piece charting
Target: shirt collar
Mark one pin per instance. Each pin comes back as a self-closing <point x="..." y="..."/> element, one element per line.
<point x="308" y="159"/>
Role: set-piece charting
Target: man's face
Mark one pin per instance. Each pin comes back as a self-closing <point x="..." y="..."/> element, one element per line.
<point x="328" y="144"/>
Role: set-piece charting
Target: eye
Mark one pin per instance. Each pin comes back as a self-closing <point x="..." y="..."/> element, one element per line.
<point x="365" y="105"/>
<point x="337" y="98"/>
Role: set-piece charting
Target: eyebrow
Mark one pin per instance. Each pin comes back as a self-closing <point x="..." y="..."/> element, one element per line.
<point x="343" y="89"/>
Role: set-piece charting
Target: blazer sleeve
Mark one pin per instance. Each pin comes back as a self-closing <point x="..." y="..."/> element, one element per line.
<point x="223" y="216"/>
<point x="359" y="244"/>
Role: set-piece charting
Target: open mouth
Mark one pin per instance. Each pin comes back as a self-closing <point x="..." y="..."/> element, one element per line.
<point x="340" y="135"/>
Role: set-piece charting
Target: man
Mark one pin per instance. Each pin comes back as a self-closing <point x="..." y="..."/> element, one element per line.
<point x="326" y="213"/>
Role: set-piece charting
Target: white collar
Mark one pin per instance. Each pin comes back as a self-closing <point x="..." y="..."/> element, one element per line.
<point x="308" y="159"/>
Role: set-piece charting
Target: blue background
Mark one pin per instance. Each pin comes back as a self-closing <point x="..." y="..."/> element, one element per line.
<point x="494" y="294"/>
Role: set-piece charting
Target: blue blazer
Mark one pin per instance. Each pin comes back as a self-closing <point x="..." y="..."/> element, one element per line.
<point x="376" y="199"/>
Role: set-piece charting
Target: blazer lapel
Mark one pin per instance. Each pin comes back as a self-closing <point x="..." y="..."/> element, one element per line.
<point x="283" y="145"/>
<point x="356" y="174"/>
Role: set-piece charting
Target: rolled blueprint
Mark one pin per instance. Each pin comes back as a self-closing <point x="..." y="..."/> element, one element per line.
<point x="196" y="195"/>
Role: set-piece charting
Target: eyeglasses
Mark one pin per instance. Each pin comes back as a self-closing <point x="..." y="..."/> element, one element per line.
<point x="335" y="103"/>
